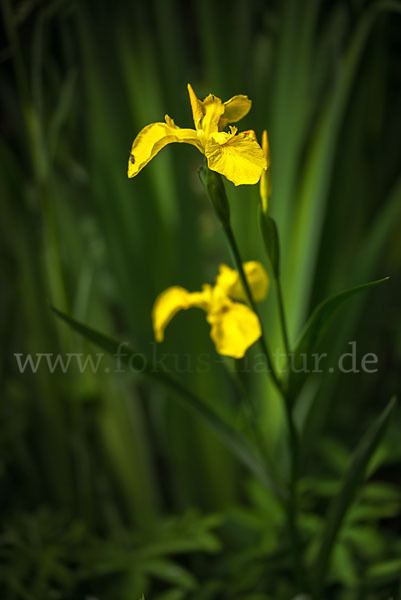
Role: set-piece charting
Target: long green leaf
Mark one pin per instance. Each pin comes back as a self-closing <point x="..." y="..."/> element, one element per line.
<point x="343" y="501"/>
<point x="316" y="327"/>
<point x="313" y="190"/>
<point x="142" y="364"/>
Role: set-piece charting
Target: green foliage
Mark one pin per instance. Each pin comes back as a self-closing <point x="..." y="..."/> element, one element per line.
<point x="110" y="485"/>
<point x="344" y="499"/>
<point x="45" y="555"/>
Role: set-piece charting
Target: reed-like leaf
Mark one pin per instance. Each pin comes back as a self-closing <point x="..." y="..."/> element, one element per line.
<point x="344" y="499"/>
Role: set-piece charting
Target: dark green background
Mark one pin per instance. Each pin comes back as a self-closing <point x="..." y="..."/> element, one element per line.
<point x="91" y="465"/>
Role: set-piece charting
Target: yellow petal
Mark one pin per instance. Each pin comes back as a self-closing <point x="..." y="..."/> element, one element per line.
<point x="237" y="157"/>
<point x="206" y="113"/>
<point x="213" y="109"/>
<point x="234" y="329"/>
<point x="265" y="180"/>
<point x="197" y="107"/>
<point x="257" y="279"/>
<point x="228" y="281"/>
<point x="153" y="138"/>
<point x="266" y="147"/>
<point x="235" y="109"/>
<point x="217" y="115"/>
<point x="171" y="301"/>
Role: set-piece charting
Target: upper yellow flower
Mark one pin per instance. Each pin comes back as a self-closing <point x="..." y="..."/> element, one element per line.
<point x="236" y="156"/>
<point x="234" y="326"/>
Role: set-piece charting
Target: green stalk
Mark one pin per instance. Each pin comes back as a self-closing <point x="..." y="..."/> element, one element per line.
<point x="292" y="507"/>
<point x="215" y="189"/>
<point x="271" y="241"/>
<point x="253" y="417"/>
<point x="232" y="244"/>
<point x="283" y="320"/>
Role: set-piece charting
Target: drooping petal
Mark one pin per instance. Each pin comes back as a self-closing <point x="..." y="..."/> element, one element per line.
<point x="153" y="138"/>
<point x="257" y="279"/>
<point x="165" y="307"/>
<point x="234" y="329"/>
<point x="171" y="301"/>
<point x="229" y="282"/>
<point x="235" y="109"/>
<point x="238" y="157"/>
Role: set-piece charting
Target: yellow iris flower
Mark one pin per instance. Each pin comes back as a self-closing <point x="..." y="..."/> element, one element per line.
<point x="234" y="326"/>
<point x="236" y="156"/>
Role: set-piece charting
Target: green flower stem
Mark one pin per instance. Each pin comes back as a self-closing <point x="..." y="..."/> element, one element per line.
<point x="239" y="266"/>
<point x="283" y="320"/>
<point x="272" y="246"/>
<point x="253" y="416"/>
<point x="215" y="189"/>
<point x="292" y="504"/>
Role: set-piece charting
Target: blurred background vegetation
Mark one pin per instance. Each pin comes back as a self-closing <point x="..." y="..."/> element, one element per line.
<point x="109" y="487"/>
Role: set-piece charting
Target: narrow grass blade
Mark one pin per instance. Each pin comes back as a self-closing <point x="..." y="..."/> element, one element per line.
<point x="343" y="501"/>
<point x="316" y="179"/>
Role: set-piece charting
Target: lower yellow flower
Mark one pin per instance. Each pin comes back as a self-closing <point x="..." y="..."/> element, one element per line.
<point x="234" y="326"/>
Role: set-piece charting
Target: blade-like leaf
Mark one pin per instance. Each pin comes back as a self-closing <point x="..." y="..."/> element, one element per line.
<point x="169" y="571"/>
<point x="142" y="364"/>
<point x="384" y="572"/>
<point x="315" y="328"/>
<point x="311" y="203"/>
<point x="343" y="501"/>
